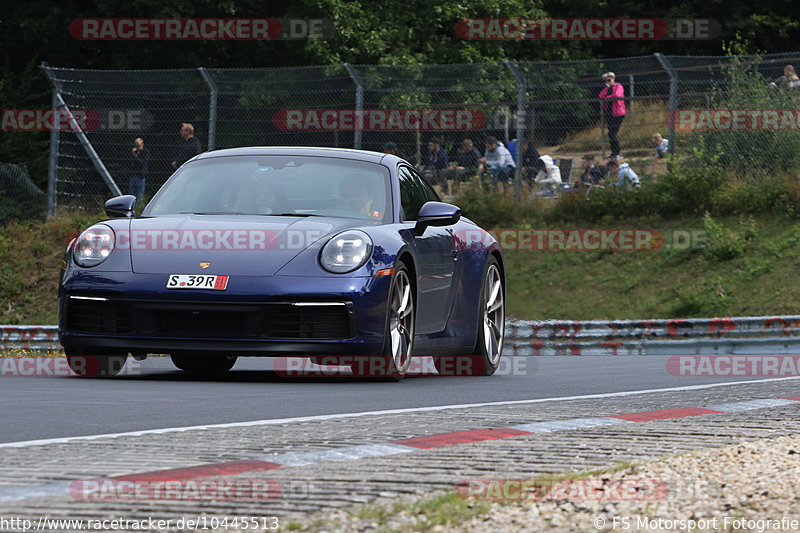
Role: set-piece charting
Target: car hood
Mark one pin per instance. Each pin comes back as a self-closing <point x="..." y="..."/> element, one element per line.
<point x="219" y="244"/>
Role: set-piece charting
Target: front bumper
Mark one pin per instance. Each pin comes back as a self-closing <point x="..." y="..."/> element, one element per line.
<point x="119" y="312"/>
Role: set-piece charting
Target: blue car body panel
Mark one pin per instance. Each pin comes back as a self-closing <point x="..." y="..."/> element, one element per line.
<point x="128" y="290"/>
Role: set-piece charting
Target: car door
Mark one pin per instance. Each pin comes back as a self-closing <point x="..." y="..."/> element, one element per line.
<point x="435" y="257"/>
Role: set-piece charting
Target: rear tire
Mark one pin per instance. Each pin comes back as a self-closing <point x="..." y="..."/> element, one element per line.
<point x="488" y="349"/>
<point x="203" y="364"/>
<point x="492" y="318"/>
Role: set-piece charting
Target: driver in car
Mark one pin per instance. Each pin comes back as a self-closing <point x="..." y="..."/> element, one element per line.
<point x="357" y="195"/>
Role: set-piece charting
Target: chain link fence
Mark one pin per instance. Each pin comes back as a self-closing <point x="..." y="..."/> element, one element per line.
<point x="20" y="198"/>
<point x="554" y="105"/>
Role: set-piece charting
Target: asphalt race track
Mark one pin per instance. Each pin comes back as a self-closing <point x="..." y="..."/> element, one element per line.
<point x="159" y="396"/>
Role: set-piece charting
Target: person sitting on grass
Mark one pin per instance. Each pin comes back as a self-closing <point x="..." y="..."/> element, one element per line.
<point x="626" y="177"/>
<point x="531" y="162"/>
<point x="497" y="160"/>
<point x="434" y="162"/>
<point x="592" y="176"/>
<point x="661" y="144"/>
<point x="391" y="148"/>
<point x="549" y="177"/>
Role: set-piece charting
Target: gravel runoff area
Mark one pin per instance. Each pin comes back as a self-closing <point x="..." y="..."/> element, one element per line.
<point x="752" y="486"/>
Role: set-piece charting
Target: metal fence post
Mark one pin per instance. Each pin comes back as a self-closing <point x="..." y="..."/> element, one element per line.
<point x="631" y="91"/>
<point x="52" y="174"/>
<point x="59" y="103"/>
<point x="602" y="132"/>
<point x="673" y="100"/>
<point x="212" y="107"/>
<point x="521" y="90"/>
<point x="359" y="105"/>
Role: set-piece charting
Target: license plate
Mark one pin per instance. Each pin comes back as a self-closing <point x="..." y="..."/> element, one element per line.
<point x="197" y="281"/>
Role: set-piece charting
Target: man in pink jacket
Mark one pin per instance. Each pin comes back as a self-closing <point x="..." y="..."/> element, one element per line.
<point x="613" y="109"/>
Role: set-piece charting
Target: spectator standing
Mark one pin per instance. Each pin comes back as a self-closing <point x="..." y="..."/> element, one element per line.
<point x="188" y="147"/>
<point x="497" y="159"/>
<point x="549" y="176"/>
<point x="613" y="110"/>
<point x="661" y="144"/>
<point x="140" y="160"/>
<point x="626" y="177"/>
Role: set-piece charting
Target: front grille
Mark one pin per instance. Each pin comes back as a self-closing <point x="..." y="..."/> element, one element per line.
<point x="96" y="316"/>
<point x="277" y="320"/>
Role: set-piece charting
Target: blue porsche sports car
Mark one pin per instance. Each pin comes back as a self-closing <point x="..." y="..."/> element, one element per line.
<point x="283" y="251"/>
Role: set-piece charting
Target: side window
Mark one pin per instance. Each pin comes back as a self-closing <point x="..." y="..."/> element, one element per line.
<point x="412" y="193"/>
<point x="427" y="190"/>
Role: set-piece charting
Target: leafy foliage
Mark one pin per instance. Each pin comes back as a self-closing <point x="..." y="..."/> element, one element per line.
<point x="724" y="244"/>
<point x="748" y="152"/>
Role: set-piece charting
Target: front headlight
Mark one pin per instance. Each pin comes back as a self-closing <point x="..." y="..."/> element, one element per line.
<point x="93" y="246"/>
<point x="346" y="252"/>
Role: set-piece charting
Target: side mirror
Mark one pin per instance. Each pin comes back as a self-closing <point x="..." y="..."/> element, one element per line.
<point x="436" y="214"/>
<point x="121" y="206"/>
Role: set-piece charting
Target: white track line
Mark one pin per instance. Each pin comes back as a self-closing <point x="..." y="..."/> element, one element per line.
<point x="318" y="418"/>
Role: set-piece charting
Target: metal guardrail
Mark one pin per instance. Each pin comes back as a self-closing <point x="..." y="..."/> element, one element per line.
<point x="701" y="336"/>
<point x="33" y="338"/>
<point x="732" y="335"/>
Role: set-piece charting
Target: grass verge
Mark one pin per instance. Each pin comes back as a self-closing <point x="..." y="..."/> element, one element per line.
<point x="31" y="253"/>
<point x="745" y="268"/>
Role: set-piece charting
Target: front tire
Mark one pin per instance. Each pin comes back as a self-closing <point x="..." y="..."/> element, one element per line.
<point x="398" y="343"/>
<point x="203" y="364"/>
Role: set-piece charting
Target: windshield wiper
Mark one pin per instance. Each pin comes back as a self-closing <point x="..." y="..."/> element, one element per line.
<point x="292" y="215"/>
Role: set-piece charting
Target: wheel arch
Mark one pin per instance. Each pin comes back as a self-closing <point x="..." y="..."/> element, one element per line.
<point x="501" y="264"/>
<point x="408" y="259"/>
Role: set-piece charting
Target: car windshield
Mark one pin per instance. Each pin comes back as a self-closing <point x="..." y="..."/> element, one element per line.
<point x="278" y="185"/>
